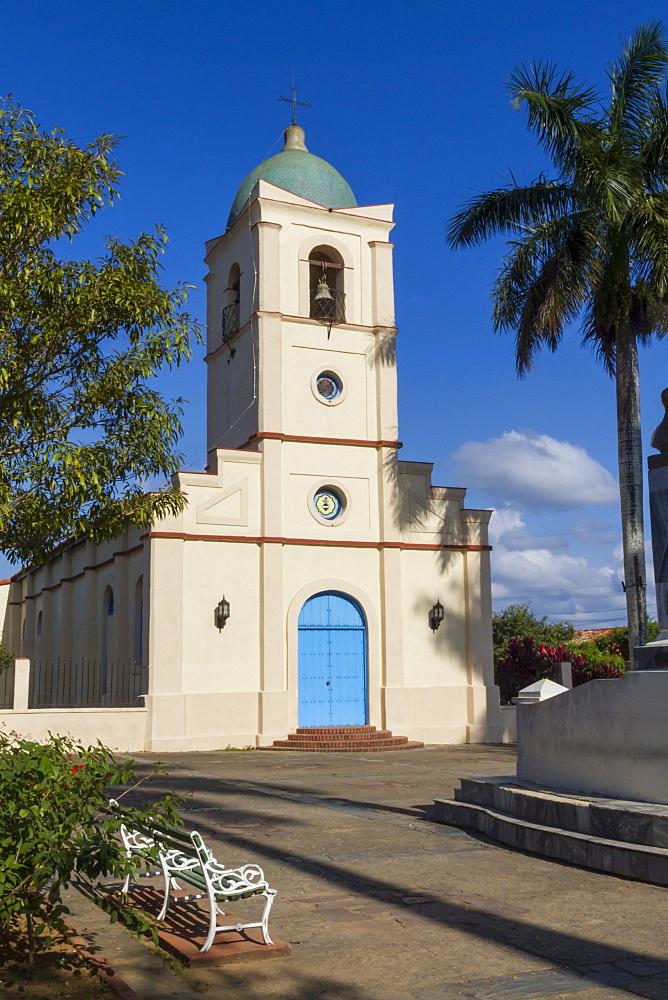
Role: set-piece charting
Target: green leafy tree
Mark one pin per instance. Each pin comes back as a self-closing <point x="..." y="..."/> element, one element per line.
<point x="518" y="621"/>
<point x="81" y="423"/>
<point x="616" y="641"/>
<point x="590" y="243"/>
<point x="56" y="823"/>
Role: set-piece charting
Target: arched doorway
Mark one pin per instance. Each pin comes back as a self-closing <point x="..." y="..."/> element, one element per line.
<point x="332" y="662"/>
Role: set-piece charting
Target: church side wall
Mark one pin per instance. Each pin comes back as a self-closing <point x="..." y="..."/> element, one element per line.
<point x="61" y="609"/>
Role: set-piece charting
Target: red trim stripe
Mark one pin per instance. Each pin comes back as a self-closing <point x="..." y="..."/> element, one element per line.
<point x="341" y="543"/>
<point x="303" y="439"/>
<point x="77" y="576"/>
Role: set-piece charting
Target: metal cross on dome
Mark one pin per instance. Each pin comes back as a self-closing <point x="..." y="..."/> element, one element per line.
<point x="294" y="102"/>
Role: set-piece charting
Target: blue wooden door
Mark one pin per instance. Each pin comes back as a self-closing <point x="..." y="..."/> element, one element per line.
<point x="332" y="662"/>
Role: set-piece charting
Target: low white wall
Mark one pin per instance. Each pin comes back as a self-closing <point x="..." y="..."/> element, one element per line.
<point x="116" y="728"/>
<point x="606" y="737"/>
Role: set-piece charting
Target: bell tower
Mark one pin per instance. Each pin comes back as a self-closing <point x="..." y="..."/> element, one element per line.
<point x="334" y="550"/>
<point x="300" y="310"/>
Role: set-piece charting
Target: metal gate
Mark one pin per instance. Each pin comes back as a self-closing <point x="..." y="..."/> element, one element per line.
<point x="332" y="662"/>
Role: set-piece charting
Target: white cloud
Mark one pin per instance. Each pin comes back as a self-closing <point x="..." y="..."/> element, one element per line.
<point x="543" y="571"/>
<point x="535" y="471"/>
<point x="507" y="524"/>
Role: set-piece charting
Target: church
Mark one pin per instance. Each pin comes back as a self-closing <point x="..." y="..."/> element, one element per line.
<point x="315" y="579"/>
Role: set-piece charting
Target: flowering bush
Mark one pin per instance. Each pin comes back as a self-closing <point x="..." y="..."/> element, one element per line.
<point x="528" y="661"/>
<point x="55" y="823"/>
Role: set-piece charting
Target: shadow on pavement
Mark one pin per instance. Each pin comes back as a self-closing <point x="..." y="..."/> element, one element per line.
<point x="557" y="947"/>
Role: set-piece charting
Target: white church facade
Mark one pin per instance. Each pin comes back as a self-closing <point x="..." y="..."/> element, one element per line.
<point x="314" y="579"/>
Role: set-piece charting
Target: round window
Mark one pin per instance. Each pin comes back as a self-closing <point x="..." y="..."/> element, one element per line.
<point x="328" y="385"/>
<point x="328" y="503"/>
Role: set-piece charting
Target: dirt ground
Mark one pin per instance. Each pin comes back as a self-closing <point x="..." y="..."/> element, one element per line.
<point x="58" y="973"/>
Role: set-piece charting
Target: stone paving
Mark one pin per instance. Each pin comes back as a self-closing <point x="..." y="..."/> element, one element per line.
<point x="380" y="903"/>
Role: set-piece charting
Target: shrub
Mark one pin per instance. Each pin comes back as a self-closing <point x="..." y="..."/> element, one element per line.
<point x="56" y="823"/>
<point x="527" y="662"/>
<point x="594" y="661"/>
<point x="517" y="621"/>
<point x="617" y="641"/>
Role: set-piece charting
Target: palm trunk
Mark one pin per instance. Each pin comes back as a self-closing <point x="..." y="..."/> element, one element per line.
<point x="631" y="484"/>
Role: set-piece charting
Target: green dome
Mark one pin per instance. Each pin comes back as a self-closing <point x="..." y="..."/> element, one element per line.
<point x="297" y="170"/>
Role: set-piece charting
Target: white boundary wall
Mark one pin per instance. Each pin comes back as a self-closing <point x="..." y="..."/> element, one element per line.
<point x="606" y="737"/>
<point x="116" y="728"/>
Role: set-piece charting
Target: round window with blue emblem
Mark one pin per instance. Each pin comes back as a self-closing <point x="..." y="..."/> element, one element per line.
<point x="328" y="386"/>
<point x="328" y="503"/>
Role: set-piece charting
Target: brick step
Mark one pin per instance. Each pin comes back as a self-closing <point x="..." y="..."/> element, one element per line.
<point x="383" y="734"/>
<point x="306" y="744"/>
<point x="307" y="730"/>
<point x="343" y="739"/>
<point x="347" y="748"/>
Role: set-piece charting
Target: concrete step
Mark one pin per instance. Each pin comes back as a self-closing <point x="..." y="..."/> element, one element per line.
<point x="562" y="826"/>
<point x="643" y="823"/>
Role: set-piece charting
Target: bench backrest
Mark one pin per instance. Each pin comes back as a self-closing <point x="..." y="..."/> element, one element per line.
<point x="166" y="836"/>
<point x="187" y="846"/>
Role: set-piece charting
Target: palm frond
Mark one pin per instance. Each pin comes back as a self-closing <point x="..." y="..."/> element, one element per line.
<point x="612" y="301"/>
<point x="604" y="347"/>
<point x="649" y="313"/>
<point x="619" y="185"/>
<point x="545" y="284"/>
<point x="522" y="265"/>
<point x="635" y="76"/>
<point x="563" y="114"/>
<point x="654" y="150"/>
<point x="509" y="209"/>
<point x="647" y="233"/>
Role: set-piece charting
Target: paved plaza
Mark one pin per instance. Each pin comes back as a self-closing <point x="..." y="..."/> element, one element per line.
<point x="380" y="902"/>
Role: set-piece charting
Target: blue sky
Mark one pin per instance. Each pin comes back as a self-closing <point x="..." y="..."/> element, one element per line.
<point x="409" y="102"/>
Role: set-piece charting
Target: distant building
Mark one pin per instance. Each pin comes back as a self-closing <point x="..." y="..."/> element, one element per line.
<point x="334" y="558"/>
<point x="589" y="634"/>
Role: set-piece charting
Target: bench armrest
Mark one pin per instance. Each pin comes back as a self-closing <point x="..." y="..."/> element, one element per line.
<point x="233" y="880"/>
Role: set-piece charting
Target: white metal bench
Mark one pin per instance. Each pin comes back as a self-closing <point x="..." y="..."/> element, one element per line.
<point x="184" y="857"/>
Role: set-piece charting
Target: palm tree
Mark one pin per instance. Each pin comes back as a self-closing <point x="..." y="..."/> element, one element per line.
<point x="590" y="244"/>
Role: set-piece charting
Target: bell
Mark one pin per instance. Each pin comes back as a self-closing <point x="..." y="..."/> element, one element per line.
<point x="323" y="292"/>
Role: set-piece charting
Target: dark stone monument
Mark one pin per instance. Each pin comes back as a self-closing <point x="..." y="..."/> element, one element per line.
<point x="654" y="656"/>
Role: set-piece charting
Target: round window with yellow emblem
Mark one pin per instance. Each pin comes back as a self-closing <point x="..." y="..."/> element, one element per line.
<point x="328" y="503"/>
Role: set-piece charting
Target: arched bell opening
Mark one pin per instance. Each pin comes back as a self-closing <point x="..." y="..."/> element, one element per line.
<point x="327" y="285"/>
<point x="232" y="307"/>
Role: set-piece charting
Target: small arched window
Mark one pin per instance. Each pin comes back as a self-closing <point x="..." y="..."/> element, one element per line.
<point x="232" y="303"/>
<point x="107" y="626"/>
<point x="39" y="623"/>
<point x="326" y="285"/>
<point x="139" y="622"/>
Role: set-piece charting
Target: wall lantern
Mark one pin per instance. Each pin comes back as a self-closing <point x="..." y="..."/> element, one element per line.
<point x="436" y="616"/>
<point x="221" y="614"/>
